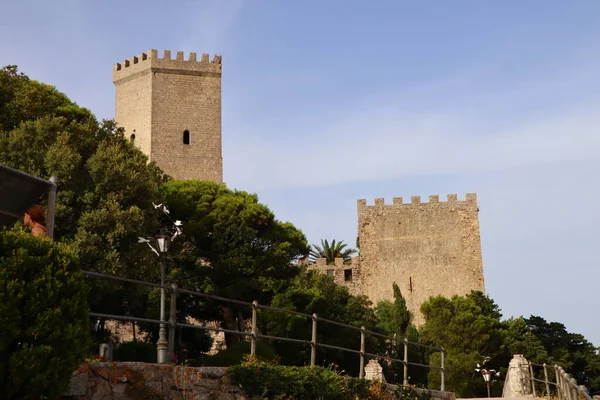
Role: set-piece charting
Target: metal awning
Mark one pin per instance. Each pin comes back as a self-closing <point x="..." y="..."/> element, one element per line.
<point x="19" y="191"/>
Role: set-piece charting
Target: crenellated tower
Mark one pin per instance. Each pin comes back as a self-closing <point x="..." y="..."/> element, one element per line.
<point x="427" y="248"/>
<point x="171" y="109"/>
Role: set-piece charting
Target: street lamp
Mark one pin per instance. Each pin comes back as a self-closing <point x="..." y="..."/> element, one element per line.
<point x="162" y="243"/>
<point x="486" y="373"/>
<point x="486" y="377"/>
<point x="162" y="346"/>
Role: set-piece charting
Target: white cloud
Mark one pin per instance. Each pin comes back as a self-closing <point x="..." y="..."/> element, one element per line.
<point x="465" y="124"/>
<point x="386" y="144"/>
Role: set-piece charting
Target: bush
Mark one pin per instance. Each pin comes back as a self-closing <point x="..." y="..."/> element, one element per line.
<point x="135" y="351"/>
<point x="261" y="380"/>
<point x="43" y="316"/>
<point x="267" y="381"/>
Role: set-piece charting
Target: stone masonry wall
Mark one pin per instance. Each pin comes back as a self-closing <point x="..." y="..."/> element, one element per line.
<point x="137" y="381"/>
<point x="428" y="249"/>
<point x="340" y="274"/>
<point x="160" y="98"/>
<point x="134" y="381"/>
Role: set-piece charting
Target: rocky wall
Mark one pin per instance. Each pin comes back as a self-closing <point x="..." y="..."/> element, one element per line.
<point x="137" y="381"/>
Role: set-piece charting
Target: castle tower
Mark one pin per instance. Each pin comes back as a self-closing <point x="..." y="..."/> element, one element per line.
<point x="171" y="110"/>
<point x="428" y="249"/>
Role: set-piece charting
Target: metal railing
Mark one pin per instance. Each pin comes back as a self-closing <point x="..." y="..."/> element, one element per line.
<point x="555" y="380"/>
<point x="255" y="335"/>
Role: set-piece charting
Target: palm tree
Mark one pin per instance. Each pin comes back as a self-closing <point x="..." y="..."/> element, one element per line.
<point x="331" y="251"/>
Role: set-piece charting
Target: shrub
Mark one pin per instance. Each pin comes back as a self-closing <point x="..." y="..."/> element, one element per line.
<point x="43" y="316"/>
<point x="267" y="381"/>
<point x="261" y="380"/>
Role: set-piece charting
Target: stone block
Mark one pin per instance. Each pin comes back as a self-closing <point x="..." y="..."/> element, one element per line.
<point x="210" y="384"/>
<point x="78" y="385"/>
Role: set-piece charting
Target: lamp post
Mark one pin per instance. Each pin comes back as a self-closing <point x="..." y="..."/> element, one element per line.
<point x="486" y="378"/>
<point x="487" y="374"/>
<point x="162" y="242"/>
<point x="162" y="346"/>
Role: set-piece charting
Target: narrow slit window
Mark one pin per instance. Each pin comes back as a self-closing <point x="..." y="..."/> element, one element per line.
<point x="186" y="137"/>
<point x="132" y="138"/>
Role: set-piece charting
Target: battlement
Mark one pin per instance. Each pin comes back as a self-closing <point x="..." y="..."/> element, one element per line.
<point x="322" y="262"/>
<point x="470" y="198"/>
<point x="151" y="61"/>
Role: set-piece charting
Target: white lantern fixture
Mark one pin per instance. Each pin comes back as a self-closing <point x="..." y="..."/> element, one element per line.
<point x="162" y="241"/>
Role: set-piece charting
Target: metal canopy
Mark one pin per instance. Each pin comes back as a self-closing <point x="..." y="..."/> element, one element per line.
<point x="18" y="192"/>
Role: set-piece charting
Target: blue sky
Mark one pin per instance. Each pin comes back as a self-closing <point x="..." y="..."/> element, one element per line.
<point x="327" y="102"/>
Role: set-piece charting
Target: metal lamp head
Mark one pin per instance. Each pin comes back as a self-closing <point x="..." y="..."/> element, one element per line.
<point x="486" y="376"/>
<point x="162" y="242"/>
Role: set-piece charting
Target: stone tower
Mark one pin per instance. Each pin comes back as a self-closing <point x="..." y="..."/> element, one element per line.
<point x="171" y="110"/>
<point x="428" y="249"/>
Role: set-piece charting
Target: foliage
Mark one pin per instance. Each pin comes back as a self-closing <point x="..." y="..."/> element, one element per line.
<point x="570" y="350"/>
<point x="43" y="315"/>
<point x="23" y="99"/>
<point x="521" y="340"/>
<point x="310" y="293"/>
<point x="105" y="185"/>
<point x="262" y="380"/>
<point x="469" y="329"/>
<point x="233" y="246"/>
<point x="266" y="381"/>
<point x="395" y="320"/>
<point x="331" y="251"/>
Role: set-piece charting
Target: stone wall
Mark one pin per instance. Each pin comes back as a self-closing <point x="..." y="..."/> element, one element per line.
<point x="346" y="274"/>
<point x="428" y="249"/>
<point x="140" y="381"/>
<point x="134" y="381"/>
<point x="158" y="99"/>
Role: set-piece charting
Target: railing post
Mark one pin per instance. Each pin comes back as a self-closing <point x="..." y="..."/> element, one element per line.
<point x="313" y="341"/>
<point x="172" y="321"/>
<point x="547" y="382"/>
<point x="559" y="393"/>
<point x="443" y="365"/>
<point x="565" y="384"/>
<point x="361" y="372"/>
<point x="574" y="389"/>
<point x="51" y="207"/>
<point x="532" y="379"/>
<point x="254" y="336"/>
<point x="568" y="390"/>
<point x="405" y="380"/>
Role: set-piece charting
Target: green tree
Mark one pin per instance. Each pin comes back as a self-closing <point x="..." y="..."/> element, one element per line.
<point x="105" y="184"/>
<point x="43" y="315"/>
<point x="312" y="292"/>
<point x="395" y="320"/>
<point x="520" y="339"/>
<point x="233" y="246"/>
<point x="570" y="350"/>
<point x="469" y="329"/>
<point x="23" y="99"/>
<point x="331" y="251"/>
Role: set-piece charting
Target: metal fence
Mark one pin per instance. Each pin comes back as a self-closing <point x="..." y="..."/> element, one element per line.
<point x="255" y="335"/>
<point x="556" y="383"/>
